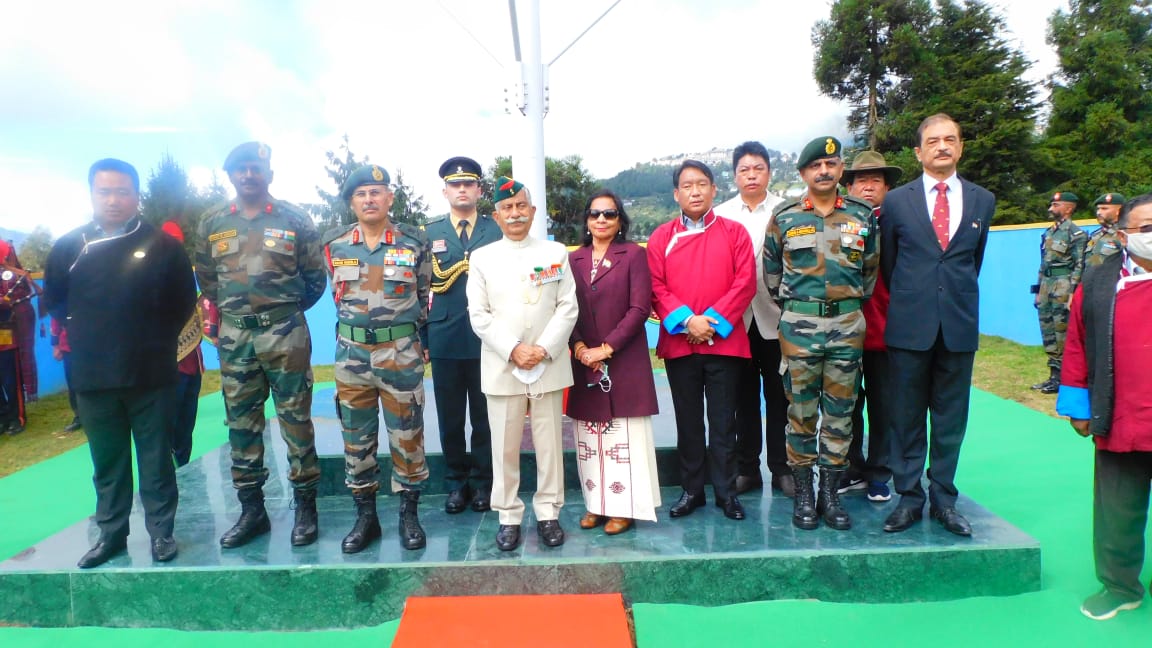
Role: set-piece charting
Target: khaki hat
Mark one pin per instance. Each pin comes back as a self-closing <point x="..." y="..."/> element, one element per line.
<point x="871" y="161"/>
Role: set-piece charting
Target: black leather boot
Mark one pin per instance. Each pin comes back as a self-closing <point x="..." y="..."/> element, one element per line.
<point x="367" y="527"/>
<point x="1050" y="386"/>
<point x="804" y="504"/>
<point x="828" y="504"/>
<point x="411" y="533"/>
<point x="253" y="521"/>
<point x="306" y="528"/>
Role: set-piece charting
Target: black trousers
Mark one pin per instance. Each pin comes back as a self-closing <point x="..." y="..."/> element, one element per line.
<point x="1119" y="518"/>
<point x="456" y="384"/>
<point x="694" y="379"/>
<point x="763" y="370"/>
<point x="874" y="390"/>
<point x="113" y="419"/>
<point x="187" y="400"/>
<point x="11" y="398"/>
<point x="934" y="384"/>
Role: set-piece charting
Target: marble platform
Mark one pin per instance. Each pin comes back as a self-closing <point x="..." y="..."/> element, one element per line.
<point x="703" y="559"/>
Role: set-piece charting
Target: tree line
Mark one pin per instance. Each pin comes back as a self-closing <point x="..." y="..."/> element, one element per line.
<point x="1085" y="128"/>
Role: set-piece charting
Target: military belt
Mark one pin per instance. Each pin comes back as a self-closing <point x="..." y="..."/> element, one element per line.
<point x="374" y="336"/>
<point x="262" y="320"/>
<point x="1057" y="272"/>
<point x="822" y="309"/>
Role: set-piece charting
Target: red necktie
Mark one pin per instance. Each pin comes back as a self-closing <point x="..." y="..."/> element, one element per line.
<point x="940" y="215"/>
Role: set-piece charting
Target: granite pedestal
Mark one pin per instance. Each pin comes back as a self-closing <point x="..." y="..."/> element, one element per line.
<point x="702" y="559"/>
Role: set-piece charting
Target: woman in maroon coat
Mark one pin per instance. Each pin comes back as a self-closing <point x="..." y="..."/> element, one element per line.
<point x="614" y="397"/>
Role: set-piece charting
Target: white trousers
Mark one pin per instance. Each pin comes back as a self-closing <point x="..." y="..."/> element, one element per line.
<point x="506" y="417"/>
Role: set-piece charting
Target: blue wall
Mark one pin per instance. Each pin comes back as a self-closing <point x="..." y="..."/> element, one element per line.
<point x="1010" y="265"/>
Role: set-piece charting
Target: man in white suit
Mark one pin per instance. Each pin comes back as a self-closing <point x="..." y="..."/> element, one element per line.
<point x="522" y="306"/>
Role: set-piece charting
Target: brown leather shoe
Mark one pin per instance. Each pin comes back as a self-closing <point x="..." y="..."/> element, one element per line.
<point x="617" y="525"/>
<point x="591" y="520"/>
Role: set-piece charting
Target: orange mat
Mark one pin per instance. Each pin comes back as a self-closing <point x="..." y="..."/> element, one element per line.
<point x="555" y="620"/>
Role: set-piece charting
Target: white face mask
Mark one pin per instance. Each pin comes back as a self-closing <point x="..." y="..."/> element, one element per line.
<point x="529" y="377"/>
<point x="1140" y="245"/>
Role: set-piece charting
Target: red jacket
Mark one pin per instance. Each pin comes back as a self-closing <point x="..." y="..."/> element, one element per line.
<point x="702" y="272"/>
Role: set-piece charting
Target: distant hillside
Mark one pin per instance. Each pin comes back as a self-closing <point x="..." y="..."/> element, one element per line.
<point x="16" y="238"/>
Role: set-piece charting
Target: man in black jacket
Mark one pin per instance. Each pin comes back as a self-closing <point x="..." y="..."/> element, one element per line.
<point x="123" y="290"/>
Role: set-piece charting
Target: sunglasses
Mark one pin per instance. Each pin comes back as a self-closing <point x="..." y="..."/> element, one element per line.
<point x="610" y="214"/>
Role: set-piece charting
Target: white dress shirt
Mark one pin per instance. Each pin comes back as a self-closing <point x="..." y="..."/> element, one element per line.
<point x="955" y="200"/>
<point x="756" y="221"/>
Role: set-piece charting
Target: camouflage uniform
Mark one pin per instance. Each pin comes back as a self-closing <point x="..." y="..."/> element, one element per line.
<point x="1061" y="263"/>
<point x="813" y="263"/>
<point x="381" y="302"/>
<point x="1102" y="244"/>
<point x="262" y="273"/>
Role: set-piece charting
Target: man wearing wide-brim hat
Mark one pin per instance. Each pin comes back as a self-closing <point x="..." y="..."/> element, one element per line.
<point x="869" y="178"/>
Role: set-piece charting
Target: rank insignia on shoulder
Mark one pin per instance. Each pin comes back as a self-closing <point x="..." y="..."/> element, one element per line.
<point x="800" y="231"/>
<point x="212" y="238"/>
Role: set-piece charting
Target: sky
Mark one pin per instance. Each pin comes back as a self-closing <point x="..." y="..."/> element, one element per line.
<point x="410" y="83"/>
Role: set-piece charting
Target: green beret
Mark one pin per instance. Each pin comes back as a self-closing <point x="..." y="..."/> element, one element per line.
<point x="506" y="188"/>
<point x="248" y="152"/>
<point x="821" y="147"/>
<point x="1065" y="196"/>
<point x="369" y="174"/>
<point x="1110" y="199"/>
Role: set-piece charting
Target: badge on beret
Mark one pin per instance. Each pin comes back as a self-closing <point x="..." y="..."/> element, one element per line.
<point x="829" y="146"/>
<point x="1056" y="198"/>
<point x="1108" y="198"/>
<point x="262" y="152"/>
<point x="377" y="174"/>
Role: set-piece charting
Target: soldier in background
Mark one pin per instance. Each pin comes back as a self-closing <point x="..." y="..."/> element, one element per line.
<point x="1061" y="263"/>
<point x="451" y="345"/>
<point x="820" y="261"/>
<point x="380" y="275"/>
<point x="1104" y="242"/>
<point x="259" y="264"/>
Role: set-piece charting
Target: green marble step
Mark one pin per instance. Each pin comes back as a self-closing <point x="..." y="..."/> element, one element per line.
<point x="702" y="559"/>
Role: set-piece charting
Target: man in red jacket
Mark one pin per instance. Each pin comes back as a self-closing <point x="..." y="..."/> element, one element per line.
<point x="703" y="278"/>
<point x="869" y="179"/>
<point x="1104" y="388"/>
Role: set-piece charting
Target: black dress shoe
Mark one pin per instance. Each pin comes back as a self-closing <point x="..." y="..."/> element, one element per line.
<point x="686" y="504"/>
<point x="902" y="519"/>
<point x="74" y="425"/>
<point x="745" y="483"/>
<point x="550" y="533"/>
<point x="951" y="519"/>
<point x="482" y="502"/>
<point x="163" y="549"/>
<point x="786" y="484"/>
<point x="104" y="550"/>
<point x="508" y="537"/>
<point x="733" y="509"/>
<point x="457" y="501"/>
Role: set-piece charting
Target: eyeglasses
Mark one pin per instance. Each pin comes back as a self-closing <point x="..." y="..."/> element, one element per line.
<point x="1143" y="229"/>
<point x="610" y="214"/>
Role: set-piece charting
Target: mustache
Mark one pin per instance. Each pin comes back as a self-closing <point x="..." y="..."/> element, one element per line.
<point x="824" y="177"/>
<point x="517" y="219"/>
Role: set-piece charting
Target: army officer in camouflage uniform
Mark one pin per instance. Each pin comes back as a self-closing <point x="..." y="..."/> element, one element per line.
<point x="258" y="261"/>
<point x="1104" y="242"/>
<point x="380" y="275"/>
<point x="820" y="262"/>
<point x="1061" y="264"/>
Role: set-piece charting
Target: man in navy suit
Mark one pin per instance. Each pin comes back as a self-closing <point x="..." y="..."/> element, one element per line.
<point x="449" y="343"/>
<point x="932" y="244"/>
